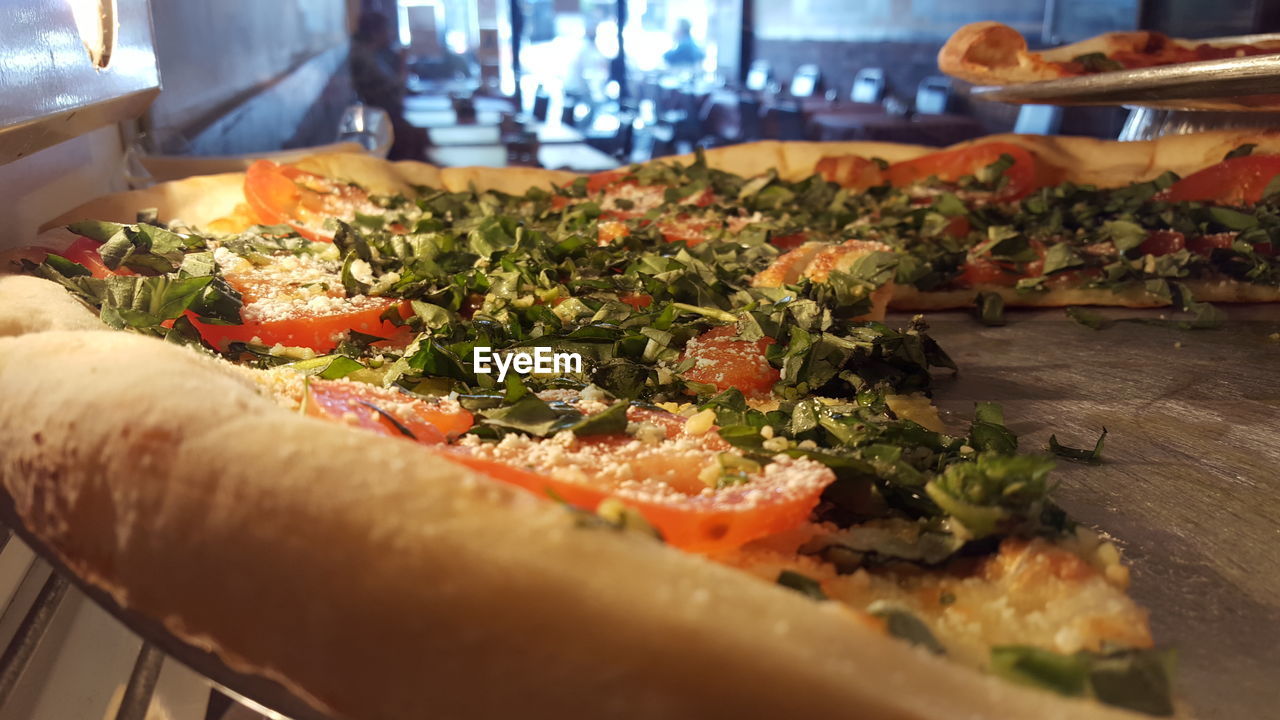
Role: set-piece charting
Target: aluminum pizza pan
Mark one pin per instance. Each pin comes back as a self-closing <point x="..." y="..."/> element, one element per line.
<point x="1244" y="84"/>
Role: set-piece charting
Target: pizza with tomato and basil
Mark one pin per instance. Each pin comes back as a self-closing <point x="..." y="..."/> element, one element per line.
<point x="301" y="416"/>
<point x="991" y="53"/>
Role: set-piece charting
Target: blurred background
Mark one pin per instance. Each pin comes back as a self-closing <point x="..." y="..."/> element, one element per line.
<point x="589" y="84"/>
<point x="584" y="85"/>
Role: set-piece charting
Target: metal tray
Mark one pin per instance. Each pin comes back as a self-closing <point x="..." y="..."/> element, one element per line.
<point x="1190" y="483"/>
<point x="1190" y="486"/>
<point x="1244" y="84"/>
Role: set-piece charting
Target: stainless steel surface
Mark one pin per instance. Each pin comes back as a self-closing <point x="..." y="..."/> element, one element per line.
<point x="1190" y="486"/>
<point x="265" y="695"/>
<point x="1146" y="123"/>
<point x="1247" y="83"/>
<point x="17" y="655"/>
<point x="142" y="684"/>
<point x="52" y="88"/>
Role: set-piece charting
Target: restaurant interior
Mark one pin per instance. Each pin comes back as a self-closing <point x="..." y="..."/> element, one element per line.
<point x="589" y="85"/>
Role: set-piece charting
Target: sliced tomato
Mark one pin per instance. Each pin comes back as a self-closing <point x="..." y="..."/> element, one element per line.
<point x="320" y="332"/>
<point x="689" y="518"/>
<point x="601" y="181"/>
<point x="85" y="251"/>
<point x="1162" y="242"/>
<point x="386" y="411"/>
<point x="958" y="226"/>
<point x="610" y="231"/>
<point x="689" y="232"/>
<point x="984" y="271"/>
<point x="850" y="171"/>
<point x="790" y="241"/>
<point x="726" y="363"/>
<point x="1023" y="177"/>
<point x="638" y="301"/>
<point x="642" y="198"/>
<point x="285" y="195"/>
<point x="1234" y="181"/>
<point x="679" y="229"/>
<point x="1206" y="244"/>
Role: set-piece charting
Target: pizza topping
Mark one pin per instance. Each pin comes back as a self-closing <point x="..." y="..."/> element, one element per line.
<point x="661" y="482"/>
<point x="296" y="300"/>
<point x="1010" y="171"/>
<point x="1237" y="181"/>
<point x="386" y="411"/>
<point x="731" y="395"/>
<point x="284" y="194"/>
<point x="716" y="358"/>
<point x="1139" y="680"/>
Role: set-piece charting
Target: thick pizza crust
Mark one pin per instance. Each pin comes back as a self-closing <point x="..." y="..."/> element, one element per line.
<point x="32" y="304"/>
<point x="991" y="53"/>
<point x="201" y="200"/>
<point x="390" y="583"/>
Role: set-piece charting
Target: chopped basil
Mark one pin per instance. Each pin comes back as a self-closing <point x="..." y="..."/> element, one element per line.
<point x="801" y="584"/>
<point x="399" y="426"/>
<point x="328" y="367"/>
<point x="1089" y="318"/>
<point x="610" y="421"/>
<point x="1097" y="62"/>
<point x="1197" y="315"/>
<point x="990" y="308"/>
<point x="905" y="625"/>
<point x="1138" y="680"/>
<point x="1241" y="151"/>
<point x="994" y="493"/>
<point x="1092" y="457"/>
<point x="988" y="431"/>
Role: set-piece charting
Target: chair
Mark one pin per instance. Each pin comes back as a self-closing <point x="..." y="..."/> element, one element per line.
<point x="1038" y="120"/>
<point x="806" y="82"/>
<point x="790" y="119"/>
<point x="759" y="75"/>
<point x="933" y="95"/>
<point x="749" y="116"/>
<point x="868" y="86"/>
<point x="721" y="123"/>
<point x="541" y="105"/>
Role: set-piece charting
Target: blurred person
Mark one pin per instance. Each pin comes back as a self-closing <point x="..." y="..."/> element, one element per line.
<point x="378" y="72"/>
<point x="685" y="51"/>
<point x="590" y="70"/>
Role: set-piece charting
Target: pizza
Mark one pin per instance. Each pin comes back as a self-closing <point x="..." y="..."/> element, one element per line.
<point x="470" y="442"/>
<point x="990" y="53"/>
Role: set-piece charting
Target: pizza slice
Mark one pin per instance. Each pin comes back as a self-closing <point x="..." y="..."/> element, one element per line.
<point x="500" y="529"/>
<point x="990" y="53"/>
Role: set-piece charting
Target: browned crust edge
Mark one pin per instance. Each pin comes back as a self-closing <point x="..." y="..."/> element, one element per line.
<point x="443" y="592"/>
<point x="422" y="559"/>
<point x="991" y="53"/>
